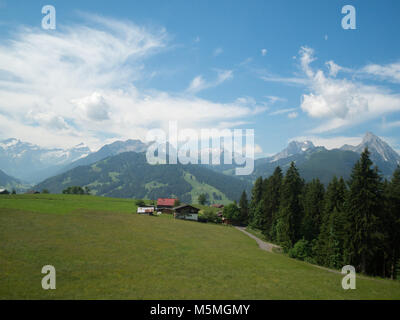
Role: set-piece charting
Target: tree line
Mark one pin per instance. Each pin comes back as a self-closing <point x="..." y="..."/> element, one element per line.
<point x="354" y="222"/>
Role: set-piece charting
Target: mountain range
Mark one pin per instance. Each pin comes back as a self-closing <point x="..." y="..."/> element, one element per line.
<point x="129" y="175"/>
<point x="319" y="162"/>
<point x="108" y="172"/>
<point x="31" y="163"/>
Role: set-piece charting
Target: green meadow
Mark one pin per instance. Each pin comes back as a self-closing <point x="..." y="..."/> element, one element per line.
<point x="101" y="249"/>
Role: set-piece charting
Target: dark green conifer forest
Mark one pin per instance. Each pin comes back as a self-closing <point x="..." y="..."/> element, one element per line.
<point x="354" y="222"/>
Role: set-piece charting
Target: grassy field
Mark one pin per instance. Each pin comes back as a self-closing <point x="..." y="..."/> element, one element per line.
<point x="101" y="250"/>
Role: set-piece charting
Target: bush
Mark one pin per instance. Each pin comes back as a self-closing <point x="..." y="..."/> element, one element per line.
<point x="140" y="203"/>
<point x="76" y="190"/>
<point x="302" y="250"/>
<point x="211" y="216"/>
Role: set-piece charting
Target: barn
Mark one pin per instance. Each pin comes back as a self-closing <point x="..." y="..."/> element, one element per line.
<point x="186" y="212"/>
<point x="166" y="205"/>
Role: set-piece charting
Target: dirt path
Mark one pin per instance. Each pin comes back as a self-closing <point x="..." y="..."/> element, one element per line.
<point x="262" y="244"/>
<point x="269" y="246"/>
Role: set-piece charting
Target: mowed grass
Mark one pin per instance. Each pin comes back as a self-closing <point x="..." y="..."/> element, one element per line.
<point x="101" y="250"/>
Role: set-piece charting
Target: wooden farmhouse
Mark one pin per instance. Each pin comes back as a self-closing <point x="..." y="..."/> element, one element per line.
<point x="186" y="212"/>
<point x="166" y="205"/>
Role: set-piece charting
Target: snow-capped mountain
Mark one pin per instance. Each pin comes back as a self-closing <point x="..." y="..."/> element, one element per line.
<point x="379" y="149"/>
<point x="31" y="163"/>
<point x="108" y="150"/>
<point x="293" y="148"/>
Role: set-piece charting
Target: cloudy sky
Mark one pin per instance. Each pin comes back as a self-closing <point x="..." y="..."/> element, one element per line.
<point x="112" y="70"/>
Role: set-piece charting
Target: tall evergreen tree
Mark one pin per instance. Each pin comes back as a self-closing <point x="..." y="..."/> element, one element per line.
<point x="290" y="209"/>
<point x="392" y="223"/>
<point x="244" y="208"/>
<point x="256" y="194"/>
<point x="272" y="197"/>
<point x="313" y="203"/>
<point x="363" y="208"/>
<point x="329" y="247"/>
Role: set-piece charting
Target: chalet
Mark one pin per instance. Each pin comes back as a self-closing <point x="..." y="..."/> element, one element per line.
<point x="32" y="192"/>
<point x="4" y="191"/>
<point x="226" y="221"/>
<point x="146" y="210"/>
<point x="186" y="212"/>
<point x="166" y="205"/>
<point x="217" y="205"/>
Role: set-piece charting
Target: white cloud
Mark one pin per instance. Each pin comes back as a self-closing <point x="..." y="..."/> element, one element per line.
<point x="342" y="102"/>
<point x="286" y="80"/>
<point x="390" y="72"/>
<point x="333" y="68"/>
<point x="218" y="51"/>
<point x="94" y="106"/>
<point x="78" y="84"/>
<point x="274" y="99"/>
<point x="257" y="149"/>
<point x="198" y="83"/>
<point x="292" y="115"/>
<point x="282" y="111"/>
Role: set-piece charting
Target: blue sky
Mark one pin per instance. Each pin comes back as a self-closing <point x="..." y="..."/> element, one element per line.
<point x="114" y="69"/>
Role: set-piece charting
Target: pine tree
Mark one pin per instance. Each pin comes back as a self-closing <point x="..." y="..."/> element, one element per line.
<point x="272" y="197"/>
<point x="256" y="194"/>
<point x="329" y="246"/>
<point x="392" y="223"/>
<point x="363" y="208"/>
<point x="313" y="202"/>
<point x="290" y="209"/>
<point x="244" y="208"/>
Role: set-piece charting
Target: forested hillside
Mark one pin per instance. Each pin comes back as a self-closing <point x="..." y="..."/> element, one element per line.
<point x="355" y="222"/>
<point x="129" y="175"/>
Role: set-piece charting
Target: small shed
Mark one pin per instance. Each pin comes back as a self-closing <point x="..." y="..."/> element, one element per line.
<point x="149" y="210"/>
<point x="186" y="212"/>
<point x="4" y="191"/>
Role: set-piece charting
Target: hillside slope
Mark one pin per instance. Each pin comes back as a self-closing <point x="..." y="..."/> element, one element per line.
<point x="111" y="253"/>
<point x="9" y="183"/>
<point x="129" y="175"/>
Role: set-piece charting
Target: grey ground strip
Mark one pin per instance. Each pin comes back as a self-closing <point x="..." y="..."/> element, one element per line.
<point x="262" y="244"/>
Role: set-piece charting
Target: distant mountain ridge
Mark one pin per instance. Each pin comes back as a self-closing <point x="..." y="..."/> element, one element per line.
<point x="381" y="153"/>
<point x="28" y="162"/>
<point x="10" y="183"/>
<point x="31" y="163"/>
<point x="106" y="151"/>
<point x="319" y="162"/>
<point x="129" y="175"/>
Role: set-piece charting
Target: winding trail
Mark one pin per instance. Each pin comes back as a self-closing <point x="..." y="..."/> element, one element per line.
<point x="267" y="246"/>
<point x="262" y="244"/>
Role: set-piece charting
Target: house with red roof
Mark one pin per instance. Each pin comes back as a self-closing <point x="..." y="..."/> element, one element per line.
<point x="166" y="205"/>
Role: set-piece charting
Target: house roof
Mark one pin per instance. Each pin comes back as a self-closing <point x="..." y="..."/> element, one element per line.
<point x="166" y="202"/>
<point x="186" y="205"/>
<point x="216" y="205"/>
